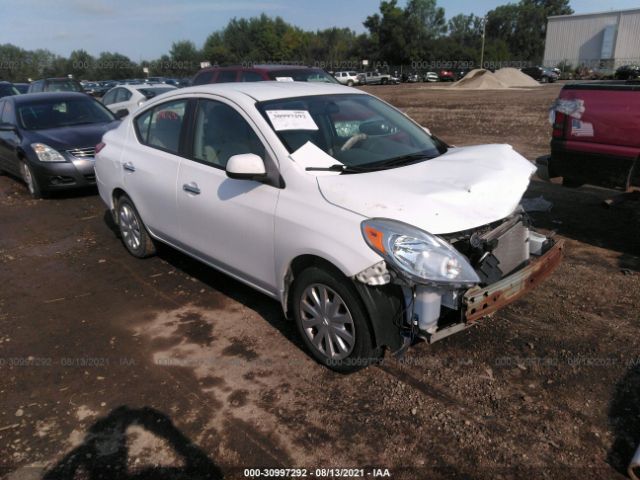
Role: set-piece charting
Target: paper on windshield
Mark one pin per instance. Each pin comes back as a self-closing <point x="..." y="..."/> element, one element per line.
<point x="309" y="155"/>
<point x="284" y="79"/>
<point x="291" y="120"/>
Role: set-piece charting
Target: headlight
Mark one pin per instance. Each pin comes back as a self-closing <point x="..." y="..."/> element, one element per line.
<point x="47" y="154"/>
<point x="422" y="257"/>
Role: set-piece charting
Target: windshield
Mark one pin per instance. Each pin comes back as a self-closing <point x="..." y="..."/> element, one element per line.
<point x="357" y="130"/>
<point x="62" y="113"/>
<point x="302" y="75"/>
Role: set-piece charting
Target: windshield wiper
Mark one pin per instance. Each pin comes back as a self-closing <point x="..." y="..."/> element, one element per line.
<point x="338" y="167"/>
<point x="404" y="159"/>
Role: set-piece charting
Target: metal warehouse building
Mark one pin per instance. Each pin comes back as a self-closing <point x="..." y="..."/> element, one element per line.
<point x="606" y="40"/>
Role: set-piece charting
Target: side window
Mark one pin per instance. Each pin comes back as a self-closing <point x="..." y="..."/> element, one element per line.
<point x="220" y="132"/>
<point x="123" y="95"/>
<point x="250" y="77"/>
<point x="203" y="78"/>
<point x="161" y="127"/>
<point x="226" y="76"/>
<point x="110" y="97"/>
<point x="8" y="113"/>
<point x="36" y="87"/>
<point x="2" y="102"/>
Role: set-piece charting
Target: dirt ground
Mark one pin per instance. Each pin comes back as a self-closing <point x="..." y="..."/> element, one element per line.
<point x="165" y="367"/>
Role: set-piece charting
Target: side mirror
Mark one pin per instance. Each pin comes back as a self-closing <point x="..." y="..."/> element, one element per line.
<point x="246" y="166"/>
<point x="120" y="114"/>
<point x="7" y="127"/>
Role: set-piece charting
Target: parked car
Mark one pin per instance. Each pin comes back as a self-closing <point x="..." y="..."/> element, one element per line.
<point x="412" y="77"/>
<point x="369" y="231"/>
<point x="375" y="78"/>
<point x="541" y="74"/>
<point x="347" y="78"/>
<point x="461" y="73"/>
<point x="627" y="72"/>
<point x="595" y="134"/>
<point x="124" y="99"/>
<point x="446" y="75"/>
<point x="21" y="87"/>
<point x="55" y="85"/>
<point x="260" y="73"/>
<point x="48" y="140"/>
<point x="7" y="89"/>
<point x="431" y="77"/>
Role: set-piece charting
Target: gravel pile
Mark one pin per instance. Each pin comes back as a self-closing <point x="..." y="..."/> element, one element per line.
<point x="480" y="79"/>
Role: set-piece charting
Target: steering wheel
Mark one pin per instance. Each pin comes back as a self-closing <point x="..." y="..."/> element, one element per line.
<point x="358" y="137"/>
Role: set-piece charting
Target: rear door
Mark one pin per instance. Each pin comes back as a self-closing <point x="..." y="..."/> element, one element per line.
<point x="227" y="222"/>
<point x="150" y="166"/>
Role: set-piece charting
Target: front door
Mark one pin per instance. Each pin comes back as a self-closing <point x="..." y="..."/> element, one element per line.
<point x="228" y="222"/>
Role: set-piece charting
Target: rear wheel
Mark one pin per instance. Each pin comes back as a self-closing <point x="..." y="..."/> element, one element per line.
<point x="384" y="81"/>
<point x="30" y="179"/>
<point x="332" y="321"/>
<point x="544" y="80"/>
<point x="134" y="234"/>
<point x="350" y="83"/>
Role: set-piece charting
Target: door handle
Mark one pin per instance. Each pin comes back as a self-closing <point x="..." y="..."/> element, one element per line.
<point x="129" y="167"/>
<point x="191" y="188"/>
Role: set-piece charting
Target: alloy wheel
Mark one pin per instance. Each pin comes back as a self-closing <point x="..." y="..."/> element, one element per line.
<point x="130" y="227"/>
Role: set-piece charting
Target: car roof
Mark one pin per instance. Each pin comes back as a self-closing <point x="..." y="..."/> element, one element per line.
<point x="270" y="90"/>
<point x="36" y="97"/>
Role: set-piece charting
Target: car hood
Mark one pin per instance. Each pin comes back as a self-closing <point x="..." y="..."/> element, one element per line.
<point x="464" y="188"/>
<point x="78" y="136"/>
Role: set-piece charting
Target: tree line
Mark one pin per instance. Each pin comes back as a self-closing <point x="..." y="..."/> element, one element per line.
<point x="417" y="36"/>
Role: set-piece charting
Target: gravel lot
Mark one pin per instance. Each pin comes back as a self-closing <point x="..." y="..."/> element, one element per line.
<point x="166" y="367"/>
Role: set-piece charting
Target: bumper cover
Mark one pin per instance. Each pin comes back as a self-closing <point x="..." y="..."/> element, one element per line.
<point x="482" y="301"/>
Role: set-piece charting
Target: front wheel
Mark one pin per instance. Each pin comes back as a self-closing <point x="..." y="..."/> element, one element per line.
<point x="134" y="234"/>
<point x="332" y="321"/>
<point x="30" y="179"/>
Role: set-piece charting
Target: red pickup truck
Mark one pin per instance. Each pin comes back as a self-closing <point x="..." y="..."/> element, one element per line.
<point x="596" y="134"/>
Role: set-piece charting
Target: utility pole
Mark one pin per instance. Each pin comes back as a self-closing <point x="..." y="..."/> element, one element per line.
<point x="484" y="31"/>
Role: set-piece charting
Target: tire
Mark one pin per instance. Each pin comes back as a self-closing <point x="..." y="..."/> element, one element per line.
<point x="544" y="80"/>
<point x="339" y="335"/>
<point x="30" y="179"/>
<point x="384" y="81"/>
<point x="133" y="233"/>
<point x="350" y="83"/>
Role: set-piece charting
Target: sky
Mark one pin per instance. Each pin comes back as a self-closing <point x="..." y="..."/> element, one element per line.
<point x="145" y="29"/>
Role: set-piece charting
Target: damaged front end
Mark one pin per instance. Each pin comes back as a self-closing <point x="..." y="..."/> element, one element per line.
<point x="449" y="282"/>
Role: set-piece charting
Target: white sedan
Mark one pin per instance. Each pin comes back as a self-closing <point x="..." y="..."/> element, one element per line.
<point x="370" y="231"/>
<point x="124" y="99"/>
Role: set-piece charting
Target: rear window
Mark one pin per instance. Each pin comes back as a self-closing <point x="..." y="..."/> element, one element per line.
<point x="154" y="92"/>
<point x="63" y="86"/>
<point x="226" y="76"/>
<point x="7" y="90"/>
<point x="203" y="78"/>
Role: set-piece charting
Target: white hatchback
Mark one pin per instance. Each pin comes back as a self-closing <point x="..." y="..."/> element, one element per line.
<point x="370" y="231"/>
<point x="124" y="99"/>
